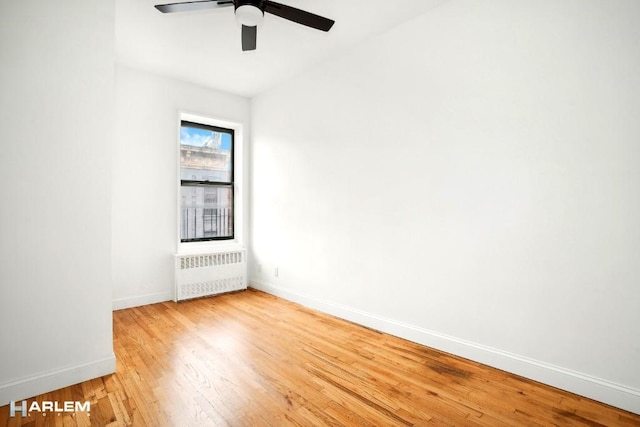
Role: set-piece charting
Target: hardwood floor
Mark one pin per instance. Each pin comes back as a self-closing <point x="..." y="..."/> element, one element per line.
<point x="251" y="359"/>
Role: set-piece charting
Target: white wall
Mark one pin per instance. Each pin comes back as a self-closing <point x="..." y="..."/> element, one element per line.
<point x="468" y="180"/>
<point x="56" y="105"/>
<point x="145" y="177"/>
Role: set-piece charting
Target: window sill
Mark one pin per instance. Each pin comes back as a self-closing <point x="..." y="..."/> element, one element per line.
<point x="197" y="248"/>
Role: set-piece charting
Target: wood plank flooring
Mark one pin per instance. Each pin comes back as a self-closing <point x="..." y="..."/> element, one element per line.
<point x="252" y="359"/>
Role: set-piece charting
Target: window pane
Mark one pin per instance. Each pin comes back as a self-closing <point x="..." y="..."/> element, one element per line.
<point x="205" y="153"/>
<point x="206" y="212"/>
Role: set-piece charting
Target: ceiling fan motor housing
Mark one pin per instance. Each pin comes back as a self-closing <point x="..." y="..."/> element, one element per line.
<point x="257" y="3"/>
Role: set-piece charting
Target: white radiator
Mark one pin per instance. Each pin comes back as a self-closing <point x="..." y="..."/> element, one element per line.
<point x="210" y="274"/>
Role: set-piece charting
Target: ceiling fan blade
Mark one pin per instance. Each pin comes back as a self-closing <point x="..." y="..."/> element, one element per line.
<point x="249" y="36"/>
<point x="299" y="16"/>
<point x="193" y="5"/>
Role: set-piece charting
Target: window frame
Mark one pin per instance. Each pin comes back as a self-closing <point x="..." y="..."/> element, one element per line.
<point x="211" y="184"/>
<point x="195" y="246"/>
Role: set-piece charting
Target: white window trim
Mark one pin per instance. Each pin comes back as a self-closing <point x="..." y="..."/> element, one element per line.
<point x="238" y="188"/>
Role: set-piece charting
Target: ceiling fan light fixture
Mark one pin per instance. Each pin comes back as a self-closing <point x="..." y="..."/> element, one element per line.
<point x="249" y="15"/>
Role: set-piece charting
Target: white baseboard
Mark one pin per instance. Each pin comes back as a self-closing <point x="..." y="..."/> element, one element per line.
<point x="575" y="382"/>
<point x="54" y="380"/>
<point x="137" y="301"/>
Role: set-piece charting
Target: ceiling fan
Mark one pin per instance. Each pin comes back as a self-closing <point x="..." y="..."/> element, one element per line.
<point x="250" y="13"/>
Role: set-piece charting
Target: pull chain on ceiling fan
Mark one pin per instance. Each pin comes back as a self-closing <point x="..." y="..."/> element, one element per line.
<point x="250" y="13"/>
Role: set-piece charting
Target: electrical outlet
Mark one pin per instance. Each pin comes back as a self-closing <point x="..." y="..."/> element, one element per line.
<point x="259" y="268"/>
<point x="275" y="272"/>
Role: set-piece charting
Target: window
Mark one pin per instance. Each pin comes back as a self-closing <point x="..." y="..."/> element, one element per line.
<point x="206" y="182"/>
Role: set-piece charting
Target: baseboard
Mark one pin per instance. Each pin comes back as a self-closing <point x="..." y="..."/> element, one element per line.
<point x="54" y="380"/>
<point x="137" y="301"/>
<point x="575" y="382"/>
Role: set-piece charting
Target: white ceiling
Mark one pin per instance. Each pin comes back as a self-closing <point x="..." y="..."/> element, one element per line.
<point x="203" y="47"/>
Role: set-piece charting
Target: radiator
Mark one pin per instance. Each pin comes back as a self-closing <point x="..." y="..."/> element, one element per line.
<point x="210" y="274"/>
